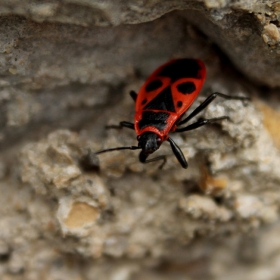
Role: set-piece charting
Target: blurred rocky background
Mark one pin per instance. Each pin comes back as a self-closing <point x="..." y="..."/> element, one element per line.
<point x="66" y="68"/>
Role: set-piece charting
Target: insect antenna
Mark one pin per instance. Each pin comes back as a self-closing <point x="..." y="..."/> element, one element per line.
<point x="118" y="148"/>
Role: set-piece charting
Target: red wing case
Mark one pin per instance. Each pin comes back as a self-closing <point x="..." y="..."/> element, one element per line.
<point x="167" y="94"/>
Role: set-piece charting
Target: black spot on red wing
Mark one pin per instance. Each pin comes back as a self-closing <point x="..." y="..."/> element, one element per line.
<point x="186" y="88"/>
<point x="181" y="68"/>
<point x="153" y="85"/>
<point x="179" y="104"/>
<point x="144" y="101"/>
<point x="163" y="101"/>
<point x="156" y="119"/>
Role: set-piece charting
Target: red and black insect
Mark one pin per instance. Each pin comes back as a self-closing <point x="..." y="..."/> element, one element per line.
<point x="160" y="104"/>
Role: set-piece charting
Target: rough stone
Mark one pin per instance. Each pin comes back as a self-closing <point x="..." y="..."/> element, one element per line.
<point x="66" y="71"/>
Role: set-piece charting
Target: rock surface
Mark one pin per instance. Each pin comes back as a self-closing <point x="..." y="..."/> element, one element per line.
<point x="66" y="70"/>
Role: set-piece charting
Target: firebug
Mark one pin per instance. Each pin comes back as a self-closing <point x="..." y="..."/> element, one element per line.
<point x="162" y="101"/>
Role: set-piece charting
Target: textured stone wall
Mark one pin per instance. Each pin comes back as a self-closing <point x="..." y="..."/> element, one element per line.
<point x="65" y="73"/>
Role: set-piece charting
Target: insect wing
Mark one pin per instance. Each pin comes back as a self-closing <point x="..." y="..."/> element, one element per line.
<point x="172" y="87"/>
<point x="184" y="92"/>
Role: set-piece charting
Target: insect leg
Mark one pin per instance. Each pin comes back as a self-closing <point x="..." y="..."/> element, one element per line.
<point x="178" y="153"/>
<point x="127" y="124"/>
<point x="121" y="125"/>
<point x="207" y="101"/>
<point x="133" y="95"/>
<point x="200" y="123"/>
<point x="143" y="159"/>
